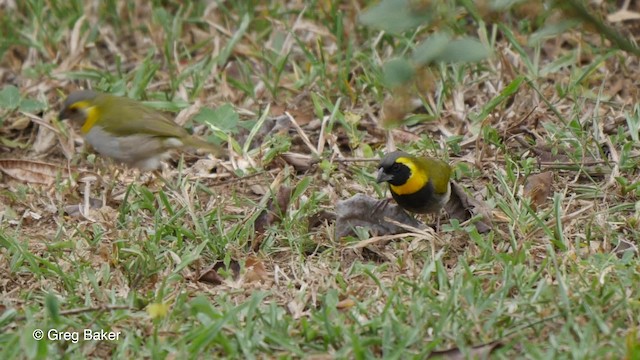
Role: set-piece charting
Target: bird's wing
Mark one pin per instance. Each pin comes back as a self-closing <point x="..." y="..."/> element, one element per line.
<point x="438" y="171"/>
<point x="138" y="119"/>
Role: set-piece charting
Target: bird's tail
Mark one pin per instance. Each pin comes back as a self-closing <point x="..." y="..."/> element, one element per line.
<point x="197" y="143"/>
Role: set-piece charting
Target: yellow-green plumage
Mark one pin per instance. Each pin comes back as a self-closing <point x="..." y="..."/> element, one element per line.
<point x="417" y="184"/>
<point x="436" y="170"/>
<point x="127" y="130"/>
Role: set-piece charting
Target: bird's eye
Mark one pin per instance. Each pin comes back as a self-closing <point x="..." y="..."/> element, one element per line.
<point x="395" y="167"/>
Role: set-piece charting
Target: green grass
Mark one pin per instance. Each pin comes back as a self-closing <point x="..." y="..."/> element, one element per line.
<point x="544" y="283"/>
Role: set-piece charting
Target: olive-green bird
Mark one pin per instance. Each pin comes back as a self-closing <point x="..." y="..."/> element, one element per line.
<point x="417" y="184"/>
<point x="127" y="130"/>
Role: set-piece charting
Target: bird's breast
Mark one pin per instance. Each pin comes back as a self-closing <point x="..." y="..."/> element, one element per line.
<point x="423" y="201"/>
<point x="130" y="149"/>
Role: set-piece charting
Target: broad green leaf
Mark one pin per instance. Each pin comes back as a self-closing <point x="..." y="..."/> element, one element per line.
<point x="53" y="307"/>
<point x="224" y="118"/>
<point x="173" y="106"/>
<point x="397" y="72"/>
<point x="395" y="16"/>
<point x="367" y="151"/>
<point x="9" y="97"/>
<point x="431" y="48"/>
<point x="301" y="188"/>
<point x="464" y="50"/>
<point x="503" y="5"/>
<point x="551" y="30"/>
<point x="32" y="106"/>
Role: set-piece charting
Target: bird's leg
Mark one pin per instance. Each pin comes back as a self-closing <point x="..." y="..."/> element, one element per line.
<point x="110" y="184"/>
<point x="438" y="216"/>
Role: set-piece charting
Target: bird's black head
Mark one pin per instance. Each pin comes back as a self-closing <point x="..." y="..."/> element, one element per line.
<point x="392" y="171"/>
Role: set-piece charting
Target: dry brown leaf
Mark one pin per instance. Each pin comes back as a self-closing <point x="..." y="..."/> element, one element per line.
<point x="403" y="136"/>
<point x="32" y="171"/>
<point x="537" y="187"/>
<point x="48" y="134"/>
<point x="19" y="123"/>
<point x="364" y="211"/>
<point x="476" y="352"/>
<point x="105" y="252"/>
<point x="187" y="113"/>
<point x="277" y="109"/>
<point x="463" y="207"/>
<point x="45" y="140"/>
<point x="255" y="270"/>
<point x="105" y="215"/>
<point x="212" y="276"/>
<point x="275" y="210"/>
<point x="67" y="143"/>
<point x="303" y="114"/>
<point x="202" y="167"/>
<point x="625" y="246"/>
<point x="258" y="189"/>
<point x="623" y="15"/>
<point x="300" y="162"/>
<point x="546" y="154"/>
<point x="272" y="214"/>
<point x="345" y="304"/>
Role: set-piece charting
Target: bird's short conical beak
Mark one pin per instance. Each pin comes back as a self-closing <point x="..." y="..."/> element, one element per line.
<point x="383" y="176"/>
